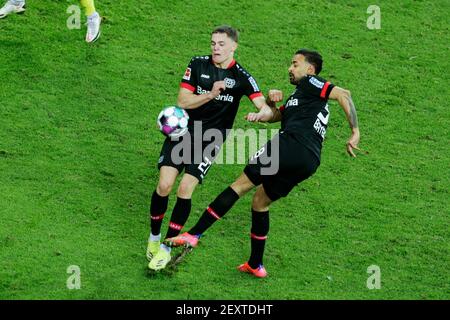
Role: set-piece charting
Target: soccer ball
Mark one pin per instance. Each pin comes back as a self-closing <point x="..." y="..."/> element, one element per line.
<point x="173" y="121"/>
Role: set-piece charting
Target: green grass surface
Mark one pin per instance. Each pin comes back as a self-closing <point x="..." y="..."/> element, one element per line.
<point x="79" y="147"/>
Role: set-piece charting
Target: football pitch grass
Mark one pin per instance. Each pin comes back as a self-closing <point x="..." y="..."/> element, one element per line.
<point x="79" y="148"/>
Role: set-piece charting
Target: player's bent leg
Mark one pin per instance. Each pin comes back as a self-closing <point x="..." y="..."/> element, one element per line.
<point x="242" y="185"/>
<point x="261" y="200"/>
<point x="12" y="6"/>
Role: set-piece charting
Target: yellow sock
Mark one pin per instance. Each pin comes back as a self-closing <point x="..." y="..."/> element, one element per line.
<point x="89" y="6"/>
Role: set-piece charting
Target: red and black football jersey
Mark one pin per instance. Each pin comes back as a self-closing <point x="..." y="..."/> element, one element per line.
<point x="305" y="114"/>
<point x="220" y="112"/>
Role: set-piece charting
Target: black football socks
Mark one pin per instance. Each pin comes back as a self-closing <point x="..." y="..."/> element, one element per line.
<point x="158" y="207"/>
<point x="216" y="210"/>
<point x="179" y="217"/>
<point x="259" y="231"/>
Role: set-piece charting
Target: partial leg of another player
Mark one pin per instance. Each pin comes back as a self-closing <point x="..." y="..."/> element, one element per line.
<point x="93" y="21"/>
<point x="12" y="6"/>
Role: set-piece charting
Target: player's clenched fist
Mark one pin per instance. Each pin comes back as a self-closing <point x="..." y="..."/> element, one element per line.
<point x="217" y="88"/>
<point x="275" y="95"/>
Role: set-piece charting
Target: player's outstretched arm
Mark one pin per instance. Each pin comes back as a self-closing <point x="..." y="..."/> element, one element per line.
<point x="189" y="100"/>
<point x="346" y="102"/>
<point x="268" y="111"/>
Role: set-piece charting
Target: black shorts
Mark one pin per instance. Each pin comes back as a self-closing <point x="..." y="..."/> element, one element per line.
<point x="195" y="158"/>
<point x="295" y="164"/>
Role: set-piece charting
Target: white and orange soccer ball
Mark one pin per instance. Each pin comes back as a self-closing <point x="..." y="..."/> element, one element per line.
<point x="173" y="121"/>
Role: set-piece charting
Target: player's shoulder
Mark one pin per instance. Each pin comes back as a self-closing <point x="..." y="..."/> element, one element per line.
<point x="314" y="80"/>
<point x="200" y="59"/>
<point x="241" y="70"/>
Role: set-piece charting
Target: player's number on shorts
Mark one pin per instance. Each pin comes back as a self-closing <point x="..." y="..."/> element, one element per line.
<point x="321" y="117"/>
<point x="205" y="165"/>
<point x="258" y="153"/>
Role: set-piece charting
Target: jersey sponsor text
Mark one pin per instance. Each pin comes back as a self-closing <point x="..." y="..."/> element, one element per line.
<point x="220" y="97"/>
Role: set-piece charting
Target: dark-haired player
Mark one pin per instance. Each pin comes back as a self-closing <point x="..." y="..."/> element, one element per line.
<point x="210" y="92"/>
<point x="304" y="118"/>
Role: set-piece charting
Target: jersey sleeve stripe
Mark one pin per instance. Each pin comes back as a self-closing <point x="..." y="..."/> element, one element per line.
<point x="255" y="95"/>
<point x="324" y="90"/>
<point x="187" y="86"/>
